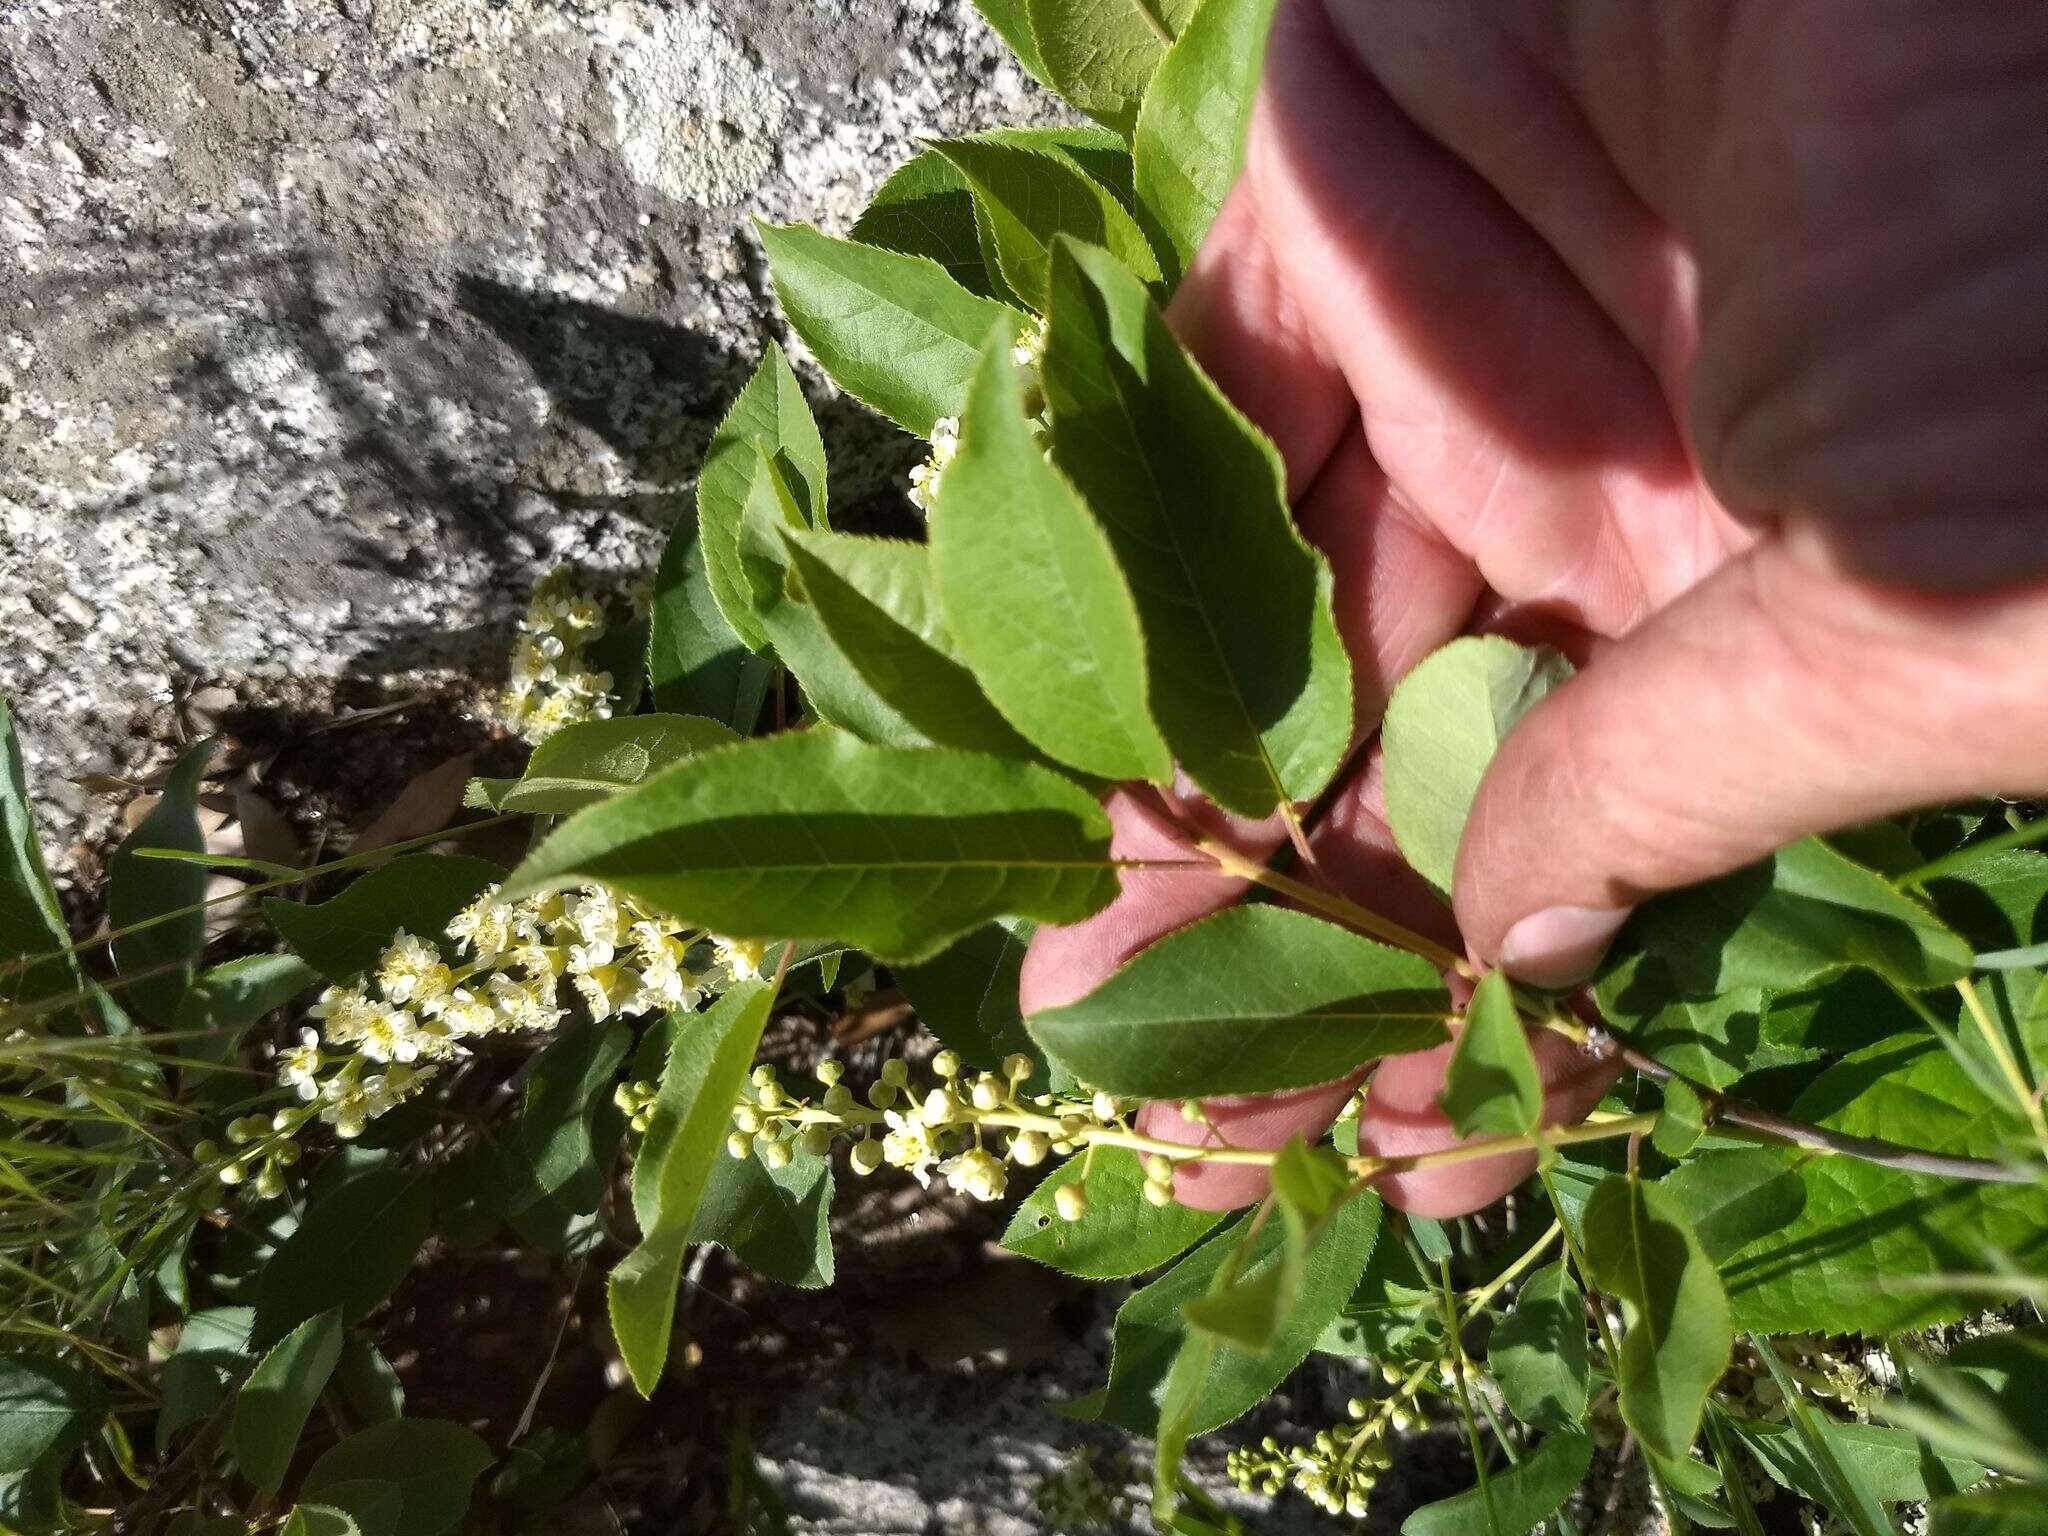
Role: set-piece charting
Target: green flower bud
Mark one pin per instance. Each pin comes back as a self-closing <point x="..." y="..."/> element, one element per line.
<point x="1158" y="1194"/>
<point x="775" y="1154"/>
<point x="883" y="1094"/>
<point x="838" y="1100"/>
<point x="988" y="1094"/>
<point x="829" y="1072"/>
<point x="816" y="1140"/>
<point x="896" y="1072"/>
<point x="746" y="1119"/>
<point x="947" y="1064"/>
<point x="1070" y="1201"/>
<point x="866" y="1156"/>
<point x="1017" y="1067"/>
<point x="738" y="1144"/>
<point x="1159" y="1169"/>
<point x="1105" y="1106"/>
<point x="1029" y="1148"/>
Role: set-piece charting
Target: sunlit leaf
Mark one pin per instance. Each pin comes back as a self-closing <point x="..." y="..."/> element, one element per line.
<point x="1253" y="999"/>
<point x="1248" y="680"/>
<point x="812" y="834"/>
<point x="1443" y="724"/>
<point x="1033" y="594"/>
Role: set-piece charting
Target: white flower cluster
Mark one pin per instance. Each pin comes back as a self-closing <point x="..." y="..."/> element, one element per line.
<point x="381" y="1040"/>
<point x="552" y="682"/>
<point x="1027" y="353"/>
<point x="924" y="479"/>
<point x="945" y="1129"/>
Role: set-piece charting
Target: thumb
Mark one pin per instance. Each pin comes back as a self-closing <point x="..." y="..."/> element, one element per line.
<point x="1783" y="696"/>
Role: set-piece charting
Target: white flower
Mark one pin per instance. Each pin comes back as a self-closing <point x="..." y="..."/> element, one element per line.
<point x="299" y="1068"/>
<point x="343" y="1013"/>
<point x="604" y="987"/>
<point x="486" y="927"/>
<point x="740" y="957"/>
<point x="410" y="971"/>
<point x="664" y="984"/>
<point x="1029" y="350"/>
<point x="909" y="1145"/>
<point x="392" y="1034"/>
<point x="977" y="1173"/>
<point x="595" y="916"/>
<point x="528" y="1004"/>
<point x="924" y="479"/>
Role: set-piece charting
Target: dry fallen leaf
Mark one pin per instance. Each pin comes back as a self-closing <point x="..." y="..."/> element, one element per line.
<point x="266" y="834"/>
<point x="425" y="805"/>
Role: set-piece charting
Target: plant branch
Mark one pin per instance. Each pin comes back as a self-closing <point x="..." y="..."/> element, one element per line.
<point x="1769" y="1125"/>
<point x="1338" y="908"/>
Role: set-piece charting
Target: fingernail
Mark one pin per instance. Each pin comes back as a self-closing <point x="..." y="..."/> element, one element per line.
<point x="1559" y="946"/>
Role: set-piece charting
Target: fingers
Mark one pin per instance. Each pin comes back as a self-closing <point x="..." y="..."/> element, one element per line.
<point x="1233" y="310"/>
<point x="1268" y="1121"/>
<point x="1782" y="697"/>
<point x="1505" y="406"/>
<point x="1062" y="964"/>
<point x="1401" y="1119"/>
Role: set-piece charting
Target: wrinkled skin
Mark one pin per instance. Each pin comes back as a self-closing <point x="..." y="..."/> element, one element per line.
<point x="1708" y="340"/>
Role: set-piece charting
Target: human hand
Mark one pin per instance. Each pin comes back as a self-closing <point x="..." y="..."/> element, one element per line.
<point x="1708" y="341"/>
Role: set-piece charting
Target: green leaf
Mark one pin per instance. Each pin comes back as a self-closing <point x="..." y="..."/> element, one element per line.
<point x="812" y="834"/>
<point x="224" y="1000"/>
<point x="1887" y="1464"/>
<point x="1119" y="1234"/>
<point x="1191" y="128"/>
<point x="1030" y="587"/>
<point x="569" y="1083"/>
<point x="1024" y="197"/>
<point x="696" y="665"/>
<point x="274" y="1403"/>
<point x="926" y="208"/>
<point x="1523" y="1496"/>
<point x="1734" y="1197"/>
<point x="833" y="688"/>
<point x="894" y="331"/>
<point x="2004" y="1511"/>
<point x="1843" y="1014"/>
<point x="368" y="1383"/>
<point x="31" y="921"/>
<point x="45" y="1409"/>
<point x="1491" y="1085"/>
<point x="967" y="996"/>
<point x="590" y="761"/>
<point x="350" y="1251"/>
<point x="431" y="1462"/>
<point x="1681" y="1122"/>
<point x="1539" y="1354"/>
<point x="774" y="1221"/>
<point x="1249" y="682"/>
<point x="1100" y="54"/>
<point x="341" y="938"/>
<point x="1847" y="1494"/>
<point x="1791" y="921"/>
<point x="1251" y="1000"/>
<point x="139" y="890"/>
<point x="2009" y="1367"/>
<point x="691" y="1116"/>
<point x="1013" y="26"/>
<point x="769" y="416"/>
<point x="876" y="601"/>
<point x="1150" y="1327"/>
<point x="1444" y="722"/>
<point x="212" y="1352"/>
<point x="1996" y="900"/>
<point x="1641" y="1249"/>
<point x="309" y="1520"/>
<point x="1838" y="1268"/>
